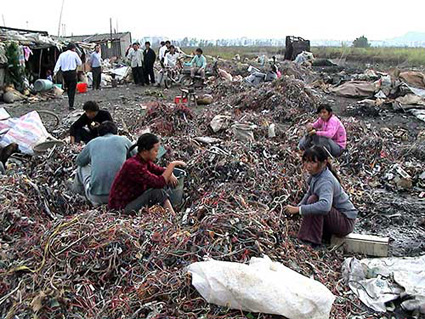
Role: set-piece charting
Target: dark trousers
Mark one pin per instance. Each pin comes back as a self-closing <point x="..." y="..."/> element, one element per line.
<point x="84" y="135"/>
<point x="149" y="74"/>
<point x="70" y="78"/>
<point x="97" y="77"/>
<point x="315" y="227"/>
<point x="149" y="198"/>
<point x="138" y="75"/>
<point x="308" y="141"/>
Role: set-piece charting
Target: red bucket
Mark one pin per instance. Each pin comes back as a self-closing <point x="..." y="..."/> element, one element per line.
<point x="178" y="99"/>
<point x="82" y="87"/>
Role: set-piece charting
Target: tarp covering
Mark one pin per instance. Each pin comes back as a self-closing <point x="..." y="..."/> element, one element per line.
<point x="355" y="89"/>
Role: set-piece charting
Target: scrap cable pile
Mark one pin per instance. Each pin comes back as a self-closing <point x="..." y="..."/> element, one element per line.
<point x="100" y="264"/>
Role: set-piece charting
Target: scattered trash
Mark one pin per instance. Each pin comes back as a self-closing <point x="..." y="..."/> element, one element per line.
<point x="379" y="281"/>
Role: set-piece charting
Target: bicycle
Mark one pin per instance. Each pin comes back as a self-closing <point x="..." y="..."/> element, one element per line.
<point x="50" y="119"/>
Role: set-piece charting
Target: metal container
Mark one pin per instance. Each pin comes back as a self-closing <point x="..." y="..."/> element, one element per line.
<point x="176" y="194"/>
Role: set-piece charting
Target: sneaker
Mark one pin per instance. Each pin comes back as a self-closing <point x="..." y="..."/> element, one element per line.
<point x="71" y="108"/>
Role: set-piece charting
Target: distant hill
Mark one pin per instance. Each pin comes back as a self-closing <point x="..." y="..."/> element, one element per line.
<point x="410" y="39"/>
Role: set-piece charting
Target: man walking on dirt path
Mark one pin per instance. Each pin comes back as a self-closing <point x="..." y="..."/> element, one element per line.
<point x="96" y="67"/>
<point x="149" y="57"/>
<point x="68" y="62"/>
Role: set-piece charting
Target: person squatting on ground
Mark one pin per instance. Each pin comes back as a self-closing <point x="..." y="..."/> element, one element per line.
<point x="199" y="63"/>
<point x="99" y="162"/>
<point x="68" y="62"/>
<point x="141" y="183"/>
<point x="149" y="58"/>
<point x="85" y="128"/>
<point x="325" y="209"/>
<point x="327" y="131"/>
<point x="96" y="67"/>
<point x="135" y="55"/>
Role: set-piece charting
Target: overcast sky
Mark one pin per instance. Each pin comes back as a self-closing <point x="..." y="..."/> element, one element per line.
<point x="311" y="19"/>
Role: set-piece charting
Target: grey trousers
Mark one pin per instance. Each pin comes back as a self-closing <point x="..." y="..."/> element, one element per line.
<point x="332" y="147"/>
<point x="195" y="70"/>
<point x="81" y="186"/>
<point x="149" y="198"/>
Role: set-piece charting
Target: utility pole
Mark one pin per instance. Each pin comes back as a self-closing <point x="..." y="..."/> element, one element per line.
<point x="60" y="19"/>
<point x="110" y="27"/>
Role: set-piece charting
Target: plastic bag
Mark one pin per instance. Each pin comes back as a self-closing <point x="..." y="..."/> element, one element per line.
<point x="262" y="286"/>
<point x="27" y="131"/>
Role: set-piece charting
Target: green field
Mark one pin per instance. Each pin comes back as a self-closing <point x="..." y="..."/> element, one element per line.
<point x="403" y="57"/>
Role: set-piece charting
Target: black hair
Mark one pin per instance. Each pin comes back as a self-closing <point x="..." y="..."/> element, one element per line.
<point x="162" y="43"/>
<point x="136" y="43"/>
<point x="319" y="154"/>
<point x="147" y="42"/>
<point x="145" y="142"/>
<point x="199" y="50"/>
<point x="324" y="106"/>
<point x="91" y="106"/>
<point x="107" y="127"/>
<point x="172" y="46"/>
<point x="71" y="46"/>
<point x="167" y="42"/>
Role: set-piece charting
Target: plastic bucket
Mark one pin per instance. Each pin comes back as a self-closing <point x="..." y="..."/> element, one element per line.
<point x="176" y="194"/>
<point x="42" y="85"/>
<point x="178" y="99"/>
<point x="82" y="87"/>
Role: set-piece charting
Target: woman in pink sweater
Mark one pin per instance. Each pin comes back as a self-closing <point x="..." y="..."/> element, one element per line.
<point x="327" y="131"/>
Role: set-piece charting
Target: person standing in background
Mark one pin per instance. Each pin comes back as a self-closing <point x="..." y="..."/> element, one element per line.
<point x="135" y="55"/>
<point x="149" y="57"/>
<point x="96" y="67"/>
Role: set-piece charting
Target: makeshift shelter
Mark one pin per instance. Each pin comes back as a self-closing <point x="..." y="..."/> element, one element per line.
<point x="40" y="51"/>
<point x="112" y="44"/>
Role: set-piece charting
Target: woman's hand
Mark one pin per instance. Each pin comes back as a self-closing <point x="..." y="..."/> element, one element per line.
<point x="292" y="209"/>
<point x="309" y="127"/>
<point x="179" y="163"/>
<point x="173" y="180"/>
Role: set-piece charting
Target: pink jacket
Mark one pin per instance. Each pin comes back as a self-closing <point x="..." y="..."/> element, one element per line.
<point x="332" y="129"/>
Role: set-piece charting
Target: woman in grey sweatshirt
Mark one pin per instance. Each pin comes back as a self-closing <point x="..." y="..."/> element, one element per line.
<point x="326" y="208"/>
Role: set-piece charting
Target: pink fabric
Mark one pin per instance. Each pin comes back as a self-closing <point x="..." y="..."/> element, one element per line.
<point x="332" y="129"/>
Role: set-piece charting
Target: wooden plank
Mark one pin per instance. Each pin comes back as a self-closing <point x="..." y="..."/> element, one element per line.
<point x="363" y="244"/>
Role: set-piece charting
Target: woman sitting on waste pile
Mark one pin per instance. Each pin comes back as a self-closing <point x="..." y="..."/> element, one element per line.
<point x="327" y="131"/>
<point x="325" y="209"/>
<point x="140" y="183"/>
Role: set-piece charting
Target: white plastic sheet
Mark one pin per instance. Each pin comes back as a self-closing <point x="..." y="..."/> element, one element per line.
<point x="262" y="286"/>
<point x="379" y="280"/>
<point x="26" y="131"/>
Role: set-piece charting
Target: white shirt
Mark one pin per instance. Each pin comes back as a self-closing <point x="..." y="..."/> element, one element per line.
<point x="171" y="59"/>
<point x="135" y="57"/>
<point x="68" y="61"/>
<point x="162" y="52"/>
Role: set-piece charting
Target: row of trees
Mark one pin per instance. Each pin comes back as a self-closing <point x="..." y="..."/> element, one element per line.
<point x="360" y="42"/>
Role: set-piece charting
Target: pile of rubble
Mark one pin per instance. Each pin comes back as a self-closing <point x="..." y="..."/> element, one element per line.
<point x="61" y="258"/>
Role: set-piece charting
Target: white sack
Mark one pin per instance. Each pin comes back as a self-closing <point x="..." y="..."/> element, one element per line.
<point x="262" y="286"/>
